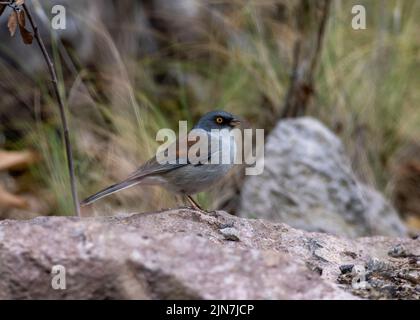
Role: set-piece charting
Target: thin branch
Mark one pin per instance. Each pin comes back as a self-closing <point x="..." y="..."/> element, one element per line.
<point x="302" y="86"/>
<point x="53" y="74"/>
<point x="320" y="34"/>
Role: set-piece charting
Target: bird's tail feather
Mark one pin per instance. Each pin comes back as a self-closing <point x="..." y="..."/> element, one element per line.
<point x="110" y="190"/>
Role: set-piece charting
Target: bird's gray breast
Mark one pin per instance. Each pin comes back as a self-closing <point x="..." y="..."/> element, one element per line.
<point x="192" y="179"/>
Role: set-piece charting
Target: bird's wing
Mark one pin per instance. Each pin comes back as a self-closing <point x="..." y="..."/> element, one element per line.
<point x="176" y="160"/>
<point x="153" y="167"/>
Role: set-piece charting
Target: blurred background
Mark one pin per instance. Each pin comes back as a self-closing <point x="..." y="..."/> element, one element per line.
<point x="129" y="68"/>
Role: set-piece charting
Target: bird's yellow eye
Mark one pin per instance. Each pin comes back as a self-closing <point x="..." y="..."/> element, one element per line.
<point x="219" y="120"/>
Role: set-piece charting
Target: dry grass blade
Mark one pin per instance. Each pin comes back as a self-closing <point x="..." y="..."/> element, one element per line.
<point x="20" y="2"/>
<point x="12" y="23"/>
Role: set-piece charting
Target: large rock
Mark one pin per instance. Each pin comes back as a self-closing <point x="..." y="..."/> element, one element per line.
<point x="308" y="183"/>
<point x="185" y="254"/>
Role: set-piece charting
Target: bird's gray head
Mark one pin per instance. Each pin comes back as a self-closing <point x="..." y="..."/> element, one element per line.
<point x="217" y="120"/>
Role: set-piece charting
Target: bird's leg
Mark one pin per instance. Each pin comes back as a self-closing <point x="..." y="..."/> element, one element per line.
<point x="194" y="204"/>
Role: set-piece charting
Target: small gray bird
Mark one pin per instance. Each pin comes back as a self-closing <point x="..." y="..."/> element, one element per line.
<point x="182" y="176"/>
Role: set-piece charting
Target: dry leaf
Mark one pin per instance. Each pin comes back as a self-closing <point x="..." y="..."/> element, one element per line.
<point x="12" y="160"/>
<point x="25" y="34"/>
<point x="19" y="2"/>
<point x="12" y="23"/>
<point x="2" y="7"/>
<point x="413" y="222"/>
<point x="16" y="159"/>
<point x="27" y="37"/>
<point x="21" y="18"/>
<point x="10" y="200"/>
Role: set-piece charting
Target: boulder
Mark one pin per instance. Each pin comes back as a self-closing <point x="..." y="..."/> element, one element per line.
<point x="308" y="183"/>
<point x="187" y="254"/>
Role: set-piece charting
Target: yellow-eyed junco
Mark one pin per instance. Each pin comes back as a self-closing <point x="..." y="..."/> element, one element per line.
<point x="181" y="175"/>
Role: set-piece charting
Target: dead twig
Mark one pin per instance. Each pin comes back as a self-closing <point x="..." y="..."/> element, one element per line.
<point x="16" y="21"/>
<point x="301" y="87"/>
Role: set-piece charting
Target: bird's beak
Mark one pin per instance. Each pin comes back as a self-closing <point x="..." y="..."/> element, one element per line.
<point x="235" y="122"/>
